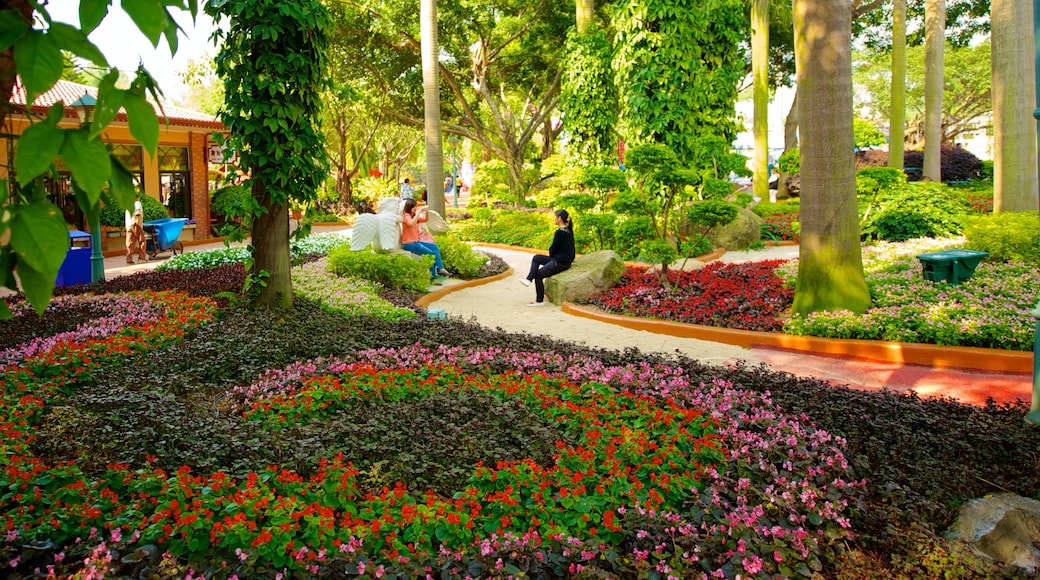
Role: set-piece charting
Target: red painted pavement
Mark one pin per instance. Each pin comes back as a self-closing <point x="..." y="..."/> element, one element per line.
<point x="967" y="386"/>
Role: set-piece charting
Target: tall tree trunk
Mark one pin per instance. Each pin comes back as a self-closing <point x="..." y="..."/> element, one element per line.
<point x="791" y="124"/>
<point x="790" y="142"/>
<point x="934" y="39"/>
<point x="583" y="13"/>
<point x="271" y="240"/>
<point x="1014" y="95"/>
<point x="432" y="106"/>
<point x="897" y="112"/>
<point x="760" y="72"/>
<point x="830" y="266"/>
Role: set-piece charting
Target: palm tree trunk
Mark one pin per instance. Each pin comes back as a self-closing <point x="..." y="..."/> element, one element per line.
<point x="760" y="72"/>
<point x="830" y="268"/>
<point x="1014" y="93"/>
<point x="432" y="106"/>
<point x="934" y="39"/>
<point x="897" y="113"/>
<point x="583" y="14"/>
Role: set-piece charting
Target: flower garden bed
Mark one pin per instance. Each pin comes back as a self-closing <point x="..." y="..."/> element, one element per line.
<point x="215" y="442"/>
<point x="990" y="310"/>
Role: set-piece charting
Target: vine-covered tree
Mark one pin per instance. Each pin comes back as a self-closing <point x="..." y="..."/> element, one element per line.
<point x="677" y="67"/>
<point x="272" y="62"/>
<point x="830" y="265"/>
<point x="589" y="97"/>
<point x="33" y="232"/>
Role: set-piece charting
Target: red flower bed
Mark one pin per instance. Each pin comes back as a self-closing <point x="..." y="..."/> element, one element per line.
<point x="746" y="296"/>
<point x="780" y="226"/>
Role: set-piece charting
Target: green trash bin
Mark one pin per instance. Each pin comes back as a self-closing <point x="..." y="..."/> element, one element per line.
<point x="951" y="266"/>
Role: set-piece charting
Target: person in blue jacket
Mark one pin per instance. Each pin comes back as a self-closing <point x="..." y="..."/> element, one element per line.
<point x="561" y="255"/>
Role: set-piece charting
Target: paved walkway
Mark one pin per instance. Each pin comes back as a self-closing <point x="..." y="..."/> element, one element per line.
<point x="502" y="304"/>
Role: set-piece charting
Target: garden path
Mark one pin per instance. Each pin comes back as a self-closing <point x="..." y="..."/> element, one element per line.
<point x="502" y="304"/>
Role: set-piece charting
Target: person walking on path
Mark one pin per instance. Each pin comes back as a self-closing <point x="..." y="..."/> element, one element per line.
<point x="407" y="191"/>
<point x="410" y="238"/>
<point x="561" y="255"/>
<point x="135" y="233"/>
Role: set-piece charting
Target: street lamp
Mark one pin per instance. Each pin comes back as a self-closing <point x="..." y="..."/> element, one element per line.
<point x="1033" y="417"/>
<point x="453" y="144"/>
<point x="84" y="107"/>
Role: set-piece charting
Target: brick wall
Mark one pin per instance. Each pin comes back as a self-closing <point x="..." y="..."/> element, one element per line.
<point x="199" y="160"/>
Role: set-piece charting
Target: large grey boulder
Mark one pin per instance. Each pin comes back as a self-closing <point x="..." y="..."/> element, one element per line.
<point x="588" y="275"/>
<point x="740" y="234"/>
<point x="1005" y="527"/>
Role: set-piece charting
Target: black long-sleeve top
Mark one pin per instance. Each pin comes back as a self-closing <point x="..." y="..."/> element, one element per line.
<point x="562" y="248"/>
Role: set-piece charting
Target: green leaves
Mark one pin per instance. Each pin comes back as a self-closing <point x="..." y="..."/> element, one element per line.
<point x="39" y="62"/>
<point x="12" y="26"/>
<point x="88" y="160"/>
<point x="144" y="124"/>
<point x="75" y="41"/>
<point x="149" y="16"/>
<point x="39" y="240"/>
<point x="38" y="146"/>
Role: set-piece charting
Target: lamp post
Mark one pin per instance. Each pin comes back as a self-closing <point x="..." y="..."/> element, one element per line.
<point x="1033" y="417"/>
<point x="453" y="142"/>
<point x="84" y="106"/>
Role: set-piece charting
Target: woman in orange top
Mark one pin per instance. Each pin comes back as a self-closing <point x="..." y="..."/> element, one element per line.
<point x="410" y="241"/>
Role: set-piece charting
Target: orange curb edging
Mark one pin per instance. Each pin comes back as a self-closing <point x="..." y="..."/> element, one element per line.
<point x="426" y="299"/>
<point x="953" y="357"/>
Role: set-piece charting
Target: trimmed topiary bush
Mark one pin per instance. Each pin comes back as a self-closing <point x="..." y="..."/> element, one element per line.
<point x="918" y="210"/>
<point x="115" y="216"/>
<point x="956" y="164"/>
<point x="230" y="202"/>
<point x="460" y="258"/>
<point x="393" y="270"/>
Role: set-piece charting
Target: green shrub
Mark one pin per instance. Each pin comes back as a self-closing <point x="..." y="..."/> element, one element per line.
<point x="657" y="251"/>
<point x="768" y="208"/>
<point x="695" y="245"/>
<point x="1012" y="236"/>
<point x="460" y="258"/>
<point x="230" y="202"/>
<point x="630" y="234"/>
<point x="790" y="162"/>
<point x="115" y="216"/>
<point x="602" y="179"/>
<point x="596" y="230"/>
<point x="491" y="181"/>
<point x="884" y="177"/>
<point x="529" y="229"/>
<point x="577" y="202"/>
<point x="917" y="210"/>
<point x="716" y="188"/>
<point x="393" y="270"/>
<point x="320" y="217"/>
<point x="711" y="213"/>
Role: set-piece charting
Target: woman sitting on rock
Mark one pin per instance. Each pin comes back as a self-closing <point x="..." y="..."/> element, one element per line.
<point x="561" y="255"/>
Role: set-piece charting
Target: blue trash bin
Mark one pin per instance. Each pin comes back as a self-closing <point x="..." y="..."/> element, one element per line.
<point x="76" y="267"/>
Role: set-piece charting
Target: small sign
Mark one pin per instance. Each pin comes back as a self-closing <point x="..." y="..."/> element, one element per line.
<point x="217" y="155"/>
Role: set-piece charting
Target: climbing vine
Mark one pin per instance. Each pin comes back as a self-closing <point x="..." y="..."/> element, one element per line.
<point x="589" y="98"/>
<point x="677" y="67"/>
<point x="273" y="64"/>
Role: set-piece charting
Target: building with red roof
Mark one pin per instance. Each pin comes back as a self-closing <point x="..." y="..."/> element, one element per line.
<point x="177" y="176"/>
